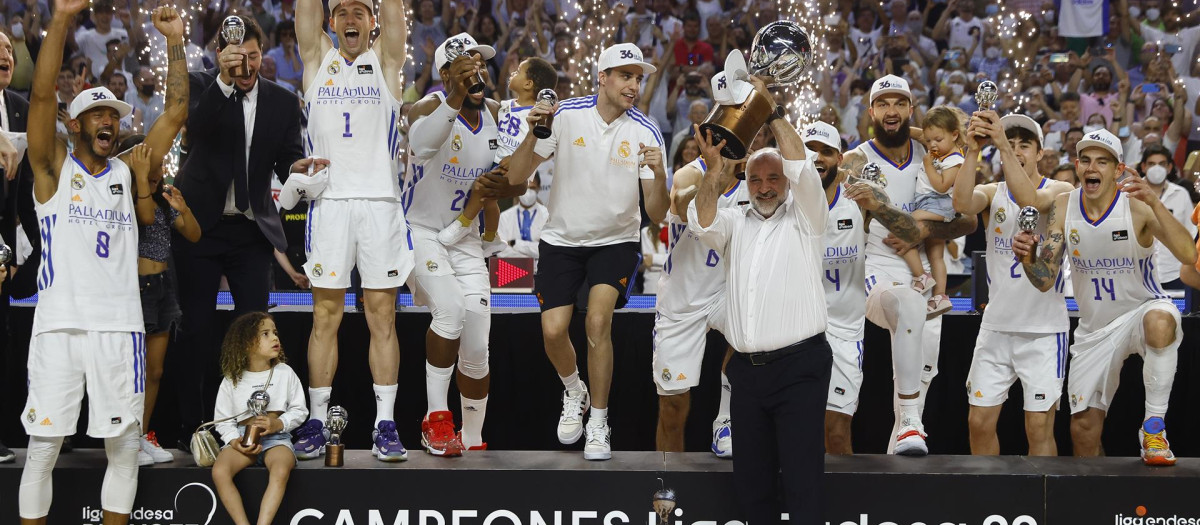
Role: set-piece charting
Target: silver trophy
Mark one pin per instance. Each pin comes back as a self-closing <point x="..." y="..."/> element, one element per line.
<point x="336" y="419"/>
<point x="234" y="30"/>
<point x="6" y="254"/>
<point x="456" y="48"/>
<point x="780" y="53"/>
<point x="546" y="98"/>
<point x="873" y="174"/>
<point x="986" y="95"/>
<point x="664" y="504"/>
<point x="1027" y="221"/>
<point x="256" y="406"/>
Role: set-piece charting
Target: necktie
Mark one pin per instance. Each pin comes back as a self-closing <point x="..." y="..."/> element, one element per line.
<point x="526" y="224"/>
<point x="240" y="191"/>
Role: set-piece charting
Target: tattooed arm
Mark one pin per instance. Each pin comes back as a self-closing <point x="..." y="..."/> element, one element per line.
<point x="1043" y="272"/>
<point x="852" y="163"/>
<point x="175" y="110"/>
<point x="877" y="205"/>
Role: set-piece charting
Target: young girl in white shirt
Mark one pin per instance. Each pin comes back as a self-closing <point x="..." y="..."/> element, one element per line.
<point x="944" y="135"/>
<point x="252" y="359"/>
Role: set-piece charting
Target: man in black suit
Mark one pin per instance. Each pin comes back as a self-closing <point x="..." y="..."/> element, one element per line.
<point x="240" y="131"/>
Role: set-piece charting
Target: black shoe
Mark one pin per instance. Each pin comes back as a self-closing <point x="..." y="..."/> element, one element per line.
<point x="67" y="446"/>
<point x="6" y="455"/>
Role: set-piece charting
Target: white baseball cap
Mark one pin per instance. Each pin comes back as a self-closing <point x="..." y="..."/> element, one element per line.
<point x="440" y="59"/>
<point x="300" y="186"/>
<point x="1016" y="120"/>
<point x="890" y="84"/>
<point x="824" y="133"/>
<point x="97" y="97"/>
<point x="334" y="3"/>
<point x="1101" y="139"/>
<point x="624" y="55"/>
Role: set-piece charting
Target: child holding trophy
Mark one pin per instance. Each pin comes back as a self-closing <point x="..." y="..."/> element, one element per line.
<point x="250" y="357"/>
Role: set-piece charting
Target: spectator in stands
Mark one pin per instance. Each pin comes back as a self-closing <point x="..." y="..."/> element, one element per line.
<point x="132" y="123"/>
<point x="263" y="14"/>
<point x="961" y="29"/>
<point x="521" y="225"/>
<point x="691" y="53"/>
<point x="697" y="110"/>
<point x="288" y="67"/>
<point x="427" y="27"/>
<point x="654" y="256"/>
<point x="864" y="33"/>
<point x="993" y="61"/>
<point x="1065" y="173"/>
<point x="689" y="88"/>
<point x="144" y="100"/>
<point x="269" y="71"/>
<point x="93" y="43"/>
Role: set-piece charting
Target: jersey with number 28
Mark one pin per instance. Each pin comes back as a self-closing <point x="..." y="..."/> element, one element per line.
<point x="87" y="279"/>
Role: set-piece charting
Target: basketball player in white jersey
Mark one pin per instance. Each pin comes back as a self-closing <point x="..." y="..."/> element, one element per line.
<point x="87" y="329"/>
<point x="602" y="144"/>
<point x="1108" y="226"/>
<point x="891" y="302"/>
<point x="851" y="206"/>
<point x="690" y="302"/>
<point x="1023" y="334"/>
<point x="350" y="97"/>
<point x="453" y="141"/>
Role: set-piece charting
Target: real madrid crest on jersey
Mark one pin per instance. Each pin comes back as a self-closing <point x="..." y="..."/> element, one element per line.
<point x="317" y="270"/>
<point x="623" y="149"/>
<point x="1001" y="215"/>
<point x="77" y="181"/>
<point x="1074" y="236"/>
<point x="335" y="67"/>
<point x="456" y="144"/>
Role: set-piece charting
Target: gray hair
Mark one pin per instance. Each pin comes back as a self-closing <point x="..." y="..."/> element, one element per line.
<point x="762" y="154"/>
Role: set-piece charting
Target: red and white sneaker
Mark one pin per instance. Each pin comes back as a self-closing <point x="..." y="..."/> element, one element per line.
<point x="1156" y="450"/>
<point x="910" y="440"/>
<point x="438" y="435"/>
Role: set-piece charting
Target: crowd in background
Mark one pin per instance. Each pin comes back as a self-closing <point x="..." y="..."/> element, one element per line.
<point x="1138" y="75"/>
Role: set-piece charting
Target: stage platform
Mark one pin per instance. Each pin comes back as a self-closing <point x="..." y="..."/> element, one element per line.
<point x="561" y="488"/>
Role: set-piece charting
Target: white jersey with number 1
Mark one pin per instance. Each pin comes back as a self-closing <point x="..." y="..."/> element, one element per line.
<point x="353" y="120"/>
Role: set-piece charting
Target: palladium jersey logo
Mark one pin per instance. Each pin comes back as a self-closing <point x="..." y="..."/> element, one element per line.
<point x="199" y="505"/>
<point x="84" y="214"/>
<point x="1103" y="265"/>
<point x="358" y="95"/>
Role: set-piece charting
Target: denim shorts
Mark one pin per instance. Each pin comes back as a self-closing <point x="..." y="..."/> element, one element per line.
<point x="936" y="203"/>
<point x="160" y="302"/>
<point x="270" y="441"/>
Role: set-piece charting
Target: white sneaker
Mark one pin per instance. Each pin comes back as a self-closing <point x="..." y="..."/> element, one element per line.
<point x="599" y="436"/>
<point x="722" y="438"/>
<point x="910" y="440"/>
<point x="144" y="459"/>
<point x="452" y="233"/>
<point x="493" y="247"/>
<point x="570" y="423"/>
<point x="149" y="445"/>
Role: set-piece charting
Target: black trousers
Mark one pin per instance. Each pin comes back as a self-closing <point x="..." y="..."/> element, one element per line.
<point x="779" y="412"/>
<point x="237" y="249"/>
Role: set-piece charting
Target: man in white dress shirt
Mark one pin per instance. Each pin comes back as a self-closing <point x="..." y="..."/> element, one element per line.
<point x="775" y="320"/>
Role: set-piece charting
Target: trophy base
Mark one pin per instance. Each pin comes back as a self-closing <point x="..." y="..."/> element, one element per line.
<point x="541" y="131"/>
<point x="737" y="125"/>
<point x="335" y="455"/>
<point x="253" y="436"/>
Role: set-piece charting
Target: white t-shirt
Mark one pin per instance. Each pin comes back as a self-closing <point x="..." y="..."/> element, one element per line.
<point x="594" y="200"/>
<point x="864" y="42"/>
<point x="95" y="46"/>
<point x="1177" y="200"/>
<point x="1082" y="18"/>
<point x="1186" y="38"/>
<point x="960" y="34"/>
<point x="287" y="398"/>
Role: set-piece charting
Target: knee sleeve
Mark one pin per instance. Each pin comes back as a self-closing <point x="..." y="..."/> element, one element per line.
<point x="905" y="310"/>
<point x="473" y="348"/>
<point x="445" y="300"/>
<point x="120" y="478"/>
<point x="36" y="488"/>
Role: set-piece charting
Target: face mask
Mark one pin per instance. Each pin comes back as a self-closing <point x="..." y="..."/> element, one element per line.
<point x="1152" y="14"/>
<point x="992" y="53"/>
<point x="528" y="198"/>
<point x="1092" y="127"/>
<point x="1156" y="174"/>
<point x="1049" y="15"/>
<point x="1134" y="11"/>
<point x="991" y="9"/>
<point x="147" y="90"/>
<point x="957" y="89"/>
<point x="18" y="31"/>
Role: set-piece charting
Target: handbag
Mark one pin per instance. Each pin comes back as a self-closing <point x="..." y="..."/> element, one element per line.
<point x="204" y="444"/>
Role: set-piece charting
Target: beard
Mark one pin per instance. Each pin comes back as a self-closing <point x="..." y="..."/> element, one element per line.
<point x="767" y="208"/>
<point x="470" y="104"/>
<point x="893" y="139"/>
<point x="831" y="174"/>
<point x="88" y="140"/>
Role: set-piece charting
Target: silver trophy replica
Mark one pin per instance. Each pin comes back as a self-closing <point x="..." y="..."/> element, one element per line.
<point x="546" y="98"/>
<point x="255" y="406"/>
<point x="986" y="95"/>
<point x="456" y="48"/>
<point x="234" y="30"/>
<point x="873" y="174"/>
<point x="1027" y="221"/>
<point x="336" y="420"/>
<point x="780" y="53"/>
<point x="6" y="254"/>
<point x="664" y="504"/>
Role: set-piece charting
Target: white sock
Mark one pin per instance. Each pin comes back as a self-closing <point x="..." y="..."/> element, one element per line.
<point x="598" y="413"/>
<point x="318" y="402"/>
<point x="910" y="407"/>
<point x="385" y="402"/>
<point x="572" y="382"/>
<point x="1158" y="374"/>
<point x="473" y="413"/>
<point x="723" y="410"/>
<point x="437" y="387"/>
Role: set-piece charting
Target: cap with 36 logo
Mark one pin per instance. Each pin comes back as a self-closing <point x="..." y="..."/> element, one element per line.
<point x="824" y="133"/>
<point x="1102" y="138"/>
<point x="624" y="55"/>
<point x="97" y="97"/>
<point x="890" y="84"/>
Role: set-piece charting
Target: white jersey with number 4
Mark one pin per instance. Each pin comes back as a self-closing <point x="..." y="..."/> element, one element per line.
<point x="437" y="188"/>
<point x="353" y="120"/>
<point x="901" y="188"/>
<point x="1111" y="272"/>
<point x="844" y="268"/>
<point x="1014" y="305"/>
<point x="87" y="279"/>
<point x="694" y="274"/>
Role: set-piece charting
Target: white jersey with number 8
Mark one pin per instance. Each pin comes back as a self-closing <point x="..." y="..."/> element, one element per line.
<point x="353" y="120"/>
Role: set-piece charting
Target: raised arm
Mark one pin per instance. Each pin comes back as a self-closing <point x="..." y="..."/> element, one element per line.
<point x="1043" y="272"/>
<point x="175" y="110"/>
<point x="311" y="38"/>
<point x="718" y="177"/>
<point x="970" y="199"/>
<point x="46" y="153"/>
<point x="684" y="185"/>
<point x="392" y="43"/>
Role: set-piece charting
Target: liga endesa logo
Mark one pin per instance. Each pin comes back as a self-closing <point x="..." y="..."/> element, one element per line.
<point x="197" y="507"/>
<point x="1141" y="516"/>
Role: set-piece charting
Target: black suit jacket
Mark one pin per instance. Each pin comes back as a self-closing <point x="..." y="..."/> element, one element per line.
<point x="16" y="200"/>
<point x="212" y="149"/>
